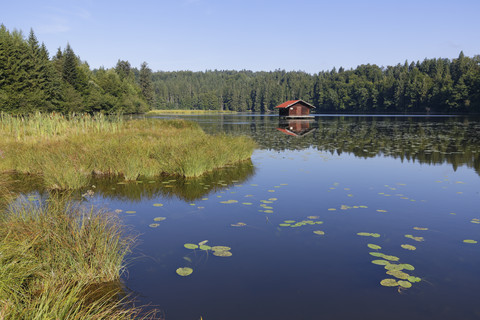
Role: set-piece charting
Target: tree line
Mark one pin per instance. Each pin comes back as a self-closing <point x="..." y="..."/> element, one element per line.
<point x="433" y="85"/>
<point x="31" y="80"/>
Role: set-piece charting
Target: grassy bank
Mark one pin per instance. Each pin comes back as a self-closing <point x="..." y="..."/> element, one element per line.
<point x="67" y="151"/>
<point x="175" y="111"/>
<point x="59" y="261"/>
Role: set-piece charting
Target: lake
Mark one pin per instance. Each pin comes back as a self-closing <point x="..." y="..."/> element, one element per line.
<point x="401" y="191"/>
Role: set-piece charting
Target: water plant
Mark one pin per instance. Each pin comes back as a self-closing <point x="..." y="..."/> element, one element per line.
<point x="67" y="151"/>
<point x="62" y="261"/>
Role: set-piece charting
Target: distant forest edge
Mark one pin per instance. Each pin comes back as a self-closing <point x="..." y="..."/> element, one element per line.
<point x="31" y="80"/>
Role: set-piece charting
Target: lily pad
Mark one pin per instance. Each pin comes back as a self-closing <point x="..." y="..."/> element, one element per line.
<point x="420" y="228"/>
<point x="419" y="239"/>
<point x="190" y="246"/>
<point x="221" y="248"/>
<point x="398" y="274"/>
<point x="159" y="219"/>
<point x="414" y="279"/>
<point x="185" y="271"/>
<point x="393" y="266"/>
<point x="407" y="266"/>
<point x="470" y="241"/>
<point x="368" y="234"/>
<point x="377" y="254"/>
<point x="153" y="225"/>
<point x="408" y="247"/>
<point x="222" y="253"/>
<point x="389" y="283"/>
<point x="289" y="221"/>
<point x="381" y="262"/>
<point x="284" y="225"/>
<point x="130" y="211"/>
<point x="404" y="284"/>
<point x="201" y="243"/>
<point x="374" y="246"/>
<point x="238" y="224"/>
<point x="158" y="205"/>
<point x="205" y="247"/>
<point x="391" y="258"/>
<point x="319" y="232"/>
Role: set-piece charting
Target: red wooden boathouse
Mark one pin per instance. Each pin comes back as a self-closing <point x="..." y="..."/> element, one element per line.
<point x="295" y="109"/>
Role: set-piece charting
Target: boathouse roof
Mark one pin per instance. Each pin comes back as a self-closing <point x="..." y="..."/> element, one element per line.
<point x="290" y="103"/>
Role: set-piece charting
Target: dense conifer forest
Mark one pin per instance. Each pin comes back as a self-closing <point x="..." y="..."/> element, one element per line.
<point x="32" y="80"/>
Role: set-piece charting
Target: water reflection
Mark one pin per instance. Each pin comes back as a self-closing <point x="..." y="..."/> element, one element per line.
<point x="170" y="186"/>
<point x="429" y="140"/>
<point x="296" y="128"/>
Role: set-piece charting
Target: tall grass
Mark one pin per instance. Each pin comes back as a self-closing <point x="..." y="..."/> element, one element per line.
<point x="60" y="261"/>
<point x="184" y="112"/>
<point x="66" y="151"/>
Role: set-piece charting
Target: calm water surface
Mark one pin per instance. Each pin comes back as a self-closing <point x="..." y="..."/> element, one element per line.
<point x="385" y="175"/>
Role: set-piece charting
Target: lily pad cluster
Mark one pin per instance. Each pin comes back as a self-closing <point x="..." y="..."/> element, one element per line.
<point x="219" y="251"/>
<point x="296" y="224"/>
<point x="475" y="220"/>
<point x="156" y="224"/>
<point x="418" y="239"/>
<point x="402" y="279"/>
<point x="369" y="234"/>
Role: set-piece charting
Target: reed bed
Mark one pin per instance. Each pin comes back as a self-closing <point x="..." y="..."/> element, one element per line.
<point x="66" y="151"/>
<point x="183" y="112"/>
<point x="62" y="261"/>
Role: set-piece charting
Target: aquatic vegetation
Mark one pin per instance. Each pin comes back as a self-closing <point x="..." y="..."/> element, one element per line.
<point x="420" y="228"/>
<point x="470" y="241"/>
<point x="418" y="239"/>
<point x="374" y="246"/>
<point x="190" y="246"/>
<point x="229" y="201"/>
<point x="368" y="234"/>
<point x="295" y="224"/>
<point x="60" y="259"/>
<point x="408" y="247"/>
<point x="75" y="147"/>
<point x="398" y="274"/>
<point x="405" y="284"/>
<point x="154" y="225"/>
<point x="381" y="262"/>
<point x="389" y="283"/>
<point x="157" y="204"/>
<point x="319" y="232"/>
<point x="184" y="271"/>
<point x="239" y="224"/>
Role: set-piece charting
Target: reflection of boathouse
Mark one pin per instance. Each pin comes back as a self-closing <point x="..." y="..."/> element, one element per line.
<point x="295" y="109"/>
<point x="296" y="128"/>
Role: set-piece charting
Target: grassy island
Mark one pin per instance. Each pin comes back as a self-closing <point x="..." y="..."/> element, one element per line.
<point x="67" y="151"/>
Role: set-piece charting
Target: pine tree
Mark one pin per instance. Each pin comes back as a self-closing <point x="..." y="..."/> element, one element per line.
<point x="145" y="81"/>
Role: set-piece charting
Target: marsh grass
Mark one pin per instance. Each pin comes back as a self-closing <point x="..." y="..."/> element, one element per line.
<point x="66" y="151"/>
<point x="183" y="112"/>
<point x="62" y="261"/>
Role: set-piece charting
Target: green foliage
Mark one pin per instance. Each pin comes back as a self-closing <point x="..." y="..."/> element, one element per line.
<point x="434" y="85"/>
<point x="30" y="81"/>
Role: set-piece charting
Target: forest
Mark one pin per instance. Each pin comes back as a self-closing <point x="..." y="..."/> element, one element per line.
<point x="31" y="80"/>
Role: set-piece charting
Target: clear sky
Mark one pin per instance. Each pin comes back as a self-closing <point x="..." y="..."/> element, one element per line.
<point x="257" y="35"/>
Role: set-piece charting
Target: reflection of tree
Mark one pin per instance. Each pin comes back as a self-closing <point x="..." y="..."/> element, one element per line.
<point x="170" y="186"/>
<point x="433" y="140"/>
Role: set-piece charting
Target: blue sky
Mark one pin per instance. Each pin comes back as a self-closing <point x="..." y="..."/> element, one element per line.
<point x="256" y="35"/>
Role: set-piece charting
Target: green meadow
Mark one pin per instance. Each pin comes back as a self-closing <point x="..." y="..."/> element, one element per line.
<point x="67" y="150"/>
